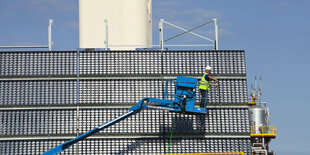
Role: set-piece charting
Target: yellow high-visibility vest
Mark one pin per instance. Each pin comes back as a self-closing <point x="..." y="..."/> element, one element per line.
<point x="204" y="84"/>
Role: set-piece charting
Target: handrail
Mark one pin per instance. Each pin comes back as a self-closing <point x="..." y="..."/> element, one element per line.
<point x="263" y="131"/>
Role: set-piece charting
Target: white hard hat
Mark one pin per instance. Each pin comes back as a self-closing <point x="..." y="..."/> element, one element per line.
<point x="208" y="68"/>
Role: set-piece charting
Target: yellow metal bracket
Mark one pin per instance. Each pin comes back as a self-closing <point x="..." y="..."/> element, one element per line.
<point x="264" y="131"/>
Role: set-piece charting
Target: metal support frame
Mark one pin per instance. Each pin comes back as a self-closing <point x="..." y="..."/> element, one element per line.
<point x="216" y="41"/>
<point x="77" y="91"/>
<point x="161" y="34"/>
<point x="50" y="42"/>
<point x="106" y="34"/>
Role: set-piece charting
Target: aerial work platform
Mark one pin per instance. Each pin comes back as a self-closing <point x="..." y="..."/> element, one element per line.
<point x="184" y="102"/>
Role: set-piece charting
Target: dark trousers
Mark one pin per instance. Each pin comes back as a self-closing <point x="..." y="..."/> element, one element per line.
<point x="203" y="99"/>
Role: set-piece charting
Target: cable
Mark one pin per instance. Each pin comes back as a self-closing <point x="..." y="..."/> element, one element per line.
<point x="173" y="123"/>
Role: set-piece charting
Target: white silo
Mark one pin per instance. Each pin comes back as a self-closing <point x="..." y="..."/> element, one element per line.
<point x="128" y="26"/>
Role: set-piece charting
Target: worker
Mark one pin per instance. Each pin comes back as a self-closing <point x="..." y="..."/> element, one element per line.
<point x="204" y="85"/>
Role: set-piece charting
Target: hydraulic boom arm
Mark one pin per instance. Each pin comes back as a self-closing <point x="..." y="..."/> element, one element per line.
<point x="184" y="102"/>
<point x="132" y="111"/>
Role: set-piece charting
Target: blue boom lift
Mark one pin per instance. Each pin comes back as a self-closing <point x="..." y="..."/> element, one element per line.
<point x="184" y="102"/>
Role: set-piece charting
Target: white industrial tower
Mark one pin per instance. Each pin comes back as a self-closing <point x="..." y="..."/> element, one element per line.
<point x="115" y="24"/>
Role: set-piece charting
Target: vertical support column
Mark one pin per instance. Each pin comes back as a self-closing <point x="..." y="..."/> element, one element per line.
<point x="78" y="77"/>
<point x="166" y="89"/>
<point x="106" y="34"/>
<point x="216" y="42"/>
<point x="50" y="42"/>
<point x="77" y="95"/>
<point x="161" y="34"/>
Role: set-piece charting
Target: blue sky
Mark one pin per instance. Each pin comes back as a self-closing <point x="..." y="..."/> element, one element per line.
<point x="274" y="35"/>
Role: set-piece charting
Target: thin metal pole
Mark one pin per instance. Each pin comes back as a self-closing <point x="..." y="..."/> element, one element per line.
<point x="78" y="77"/>
<point x="255" y="90"/>
<point x="161" y="34"/>
<point x="77" y="95"/>
<point x="216" y="35"/>
<point x="106" y="35"/>
<point x="205" y="104"/>
<point x="50" y="42"/>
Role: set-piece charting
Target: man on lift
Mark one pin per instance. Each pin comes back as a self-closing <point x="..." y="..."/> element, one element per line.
<point x="204" y="85"/>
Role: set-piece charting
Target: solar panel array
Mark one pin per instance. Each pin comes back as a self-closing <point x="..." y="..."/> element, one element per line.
<point x="107" y="91"/>
<point x="64" y="63"/>
<point x="37" y="63"/>
<point x="38" y="122"/>
<point x="43" y="98"/>
<point x="37" y="92"/>
<point x="32" y="146"/>
<point x="65" y="122"/>
<point x="131" y="146"/>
